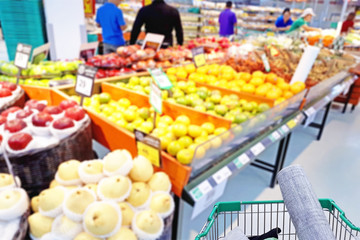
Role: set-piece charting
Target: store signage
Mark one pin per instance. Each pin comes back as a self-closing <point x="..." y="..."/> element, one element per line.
<point x="88" y="50"/>
<point x="198" y="55"/>
<point x="22" y="55"/>
<point x="265" y="62"/>
<point x="40" y="53"/>
<point x="89" y="8"/>
<point x="85" y="80"/>
<point x="148" y="146"/>
<point x="306" y="62"/>
<point x="153" y="41"/>
<point x="155" y="97"/>
<point x="160" y="78"/>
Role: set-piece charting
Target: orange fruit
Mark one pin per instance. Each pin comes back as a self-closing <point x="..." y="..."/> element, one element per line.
<point x="245" y="76"/>
<point x="288" y="94"/>
<point x="202" y="70"/>
<point x="181" y="74"/>
<point x="256" y="81"/>
<point x="283" y="86"/>
<point x="240" y="83"/>
<point x="210" y="78"/>
<point x="215" y="71"/>
<point x="271" y="78"/>
<point x="193" y="76"/>
<point x="190" y="68"/>
<point x="171" y="71"/>
<point x="227" y="75"/>
<point x="237" y="76"/>
<point x="249" y="88"/>
<point x="296" y="88"/>
<point x="261" y="90"/>
<point x="201" y="78"/>
<point x="258" y="74"/>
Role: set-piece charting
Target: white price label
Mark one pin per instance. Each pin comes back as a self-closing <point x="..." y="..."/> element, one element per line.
<point x="275" y="135"/>
<point x="257" y="149"/>
<point x="310" y="111"/>
<point x="22" y="55"/>
<point x="155" y="97"/>
<point x="208" y="199"/>
<point x="153" y="41"/>
<point x="84" y="85"/>
<point x="284" y="129"/>
<point x="21" y="60"/>
<point x="161" y="78"/>
<point x="243" y="158"/>
<point x="265" y="62"/>
<point x="222" y="175"/>
<point x="85" y="80"/>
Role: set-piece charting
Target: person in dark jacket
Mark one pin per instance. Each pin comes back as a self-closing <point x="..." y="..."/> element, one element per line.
<point x="159" y="18"/>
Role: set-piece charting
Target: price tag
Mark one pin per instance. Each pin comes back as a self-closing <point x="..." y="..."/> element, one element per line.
<point x="208" y="196"/>
<point x="88" y="50"/>
<point x="160" y="78"/>
<point x="22" y="55"/>
<point x="155" y="97"/>
<point x="265" y="62"/>
<point x="40" y="53"/>
<point x="198" y="55"/>
<point x="306" y="62"/>
<point x="153" y="41"/>
<point x="275" y="136"/>
<point x="148" y="146"/>
<point x="284" y="129"/>
<point x="241" y="160"/>
<point x="222" y="175"/>
<point x="62" y="82"/>
<point x="257" y="149"/>
<point x="310" y="116"/>
<point x="291" y="124"/>
<point x="85" y="80"/>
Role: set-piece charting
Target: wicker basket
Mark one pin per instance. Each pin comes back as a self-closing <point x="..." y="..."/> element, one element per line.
<point x="37" y="169"/>
<point x="19" y="101"/>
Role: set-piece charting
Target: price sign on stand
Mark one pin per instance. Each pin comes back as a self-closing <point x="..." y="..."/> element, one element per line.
<point x="88" y="50"/>
<point x="22" y="57"/>
<point x="153" y="41"/>
<point x="40" y="53"/>
<point x="265" y="62"/>
<point x="306" y="62"/>
<point x="198" y="55"/>
<point x="155" y="97"/>
<point x="160" y="78"/>
<point x="149" y="147"/>
<point x="85" y="81"/>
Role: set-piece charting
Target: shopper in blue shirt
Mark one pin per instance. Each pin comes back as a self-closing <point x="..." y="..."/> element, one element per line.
<point x="227" y="21"/>
<point x="110" y="18"/>
<point x="284" y="22"/>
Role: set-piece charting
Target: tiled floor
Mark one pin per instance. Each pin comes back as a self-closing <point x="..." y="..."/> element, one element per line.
<point x="332" y="165"/>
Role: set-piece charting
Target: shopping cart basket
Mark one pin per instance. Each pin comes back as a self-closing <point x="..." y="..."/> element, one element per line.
<point x="257" y="218"/>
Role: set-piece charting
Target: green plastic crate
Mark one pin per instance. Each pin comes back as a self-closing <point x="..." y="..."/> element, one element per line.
<point x="259" y="217"/>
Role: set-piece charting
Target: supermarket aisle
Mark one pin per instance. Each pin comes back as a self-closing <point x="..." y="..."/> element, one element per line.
<point x="3" y="52"/>
<point x="332" y="165"/>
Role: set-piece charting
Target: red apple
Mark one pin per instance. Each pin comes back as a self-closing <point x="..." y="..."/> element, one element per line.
<point x="68" y="104"/>
<point x="75" y="113"/>
<point x="63" y="123"/>
<point x="9" y="85"/>
<point x="10" y="110"/>
<point x="4" y="92"/>
<point x="1" y="139"/>
<point x="23" y="114"/>
<point x="19" y="141"/>
<point x="41" y="119"/>
<point x="15" y="125"/>
<point x="2" y="120"/>
<point x="34" y="104"/>
<point x="52" y="110"/>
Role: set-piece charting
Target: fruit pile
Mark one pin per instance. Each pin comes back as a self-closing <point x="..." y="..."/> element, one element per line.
<point x="132" y="58"/>
<point x="210" y="43"/>
<point x="201" y="98"/>
<point x="8" y="93"/>
<point x="114" y="198"/>
<point x="38" y="126"/>
<point x="267" y="85"/>
<point x="179" y="137"/>
<point x="40" y="74"/>
<point x="14" y="203"/>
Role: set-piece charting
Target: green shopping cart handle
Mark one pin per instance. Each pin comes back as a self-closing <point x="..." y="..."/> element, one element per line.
<point x="236" y="206"/>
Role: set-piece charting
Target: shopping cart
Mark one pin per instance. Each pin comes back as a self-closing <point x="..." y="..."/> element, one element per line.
<point x="257" y="218"/>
